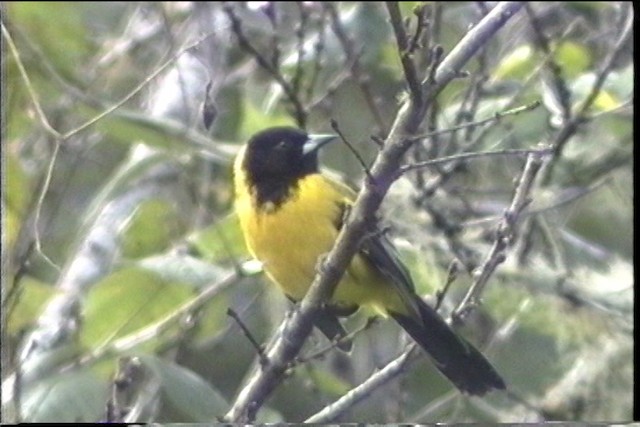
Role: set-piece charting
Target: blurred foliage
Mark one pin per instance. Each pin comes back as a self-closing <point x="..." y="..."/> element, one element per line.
<point x="107" y="242"/>
<point x="151" y="229"/>
<point x="132" y="298"/>
<point x="33" y="294"/>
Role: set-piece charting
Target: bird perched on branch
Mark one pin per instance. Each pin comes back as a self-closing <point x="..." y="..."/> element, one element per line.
<point x="290" y="215"/>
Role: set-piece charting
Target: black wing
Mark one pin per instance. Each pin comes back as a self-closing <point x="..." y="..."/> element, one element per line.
<point x="383" y="256"/>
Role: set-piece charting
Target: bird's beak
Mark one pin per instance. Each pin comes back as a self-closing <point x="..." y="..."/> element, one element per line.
<point x="315" y="142"/>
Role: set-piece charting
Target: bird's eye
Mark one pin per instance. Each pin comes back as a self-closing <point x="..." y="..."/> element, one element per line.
<point x="281" y="145"/>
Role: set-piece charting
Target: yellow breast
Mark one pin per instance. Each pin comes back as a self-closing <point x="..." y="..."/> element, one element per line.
<point x="289" y="240"/>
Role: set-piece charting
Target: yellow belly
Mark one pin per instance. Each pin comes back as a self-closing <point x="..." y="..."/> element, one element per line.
<point x="290" y="240"/>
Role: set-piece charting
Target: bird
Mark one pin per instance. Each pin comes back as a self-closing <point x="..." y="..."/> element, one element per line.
<point x="290" y="214"/>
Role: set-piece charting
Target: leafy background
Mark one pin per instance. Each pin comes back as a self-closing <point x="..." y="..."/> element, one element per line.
<point x="120" y="250"/>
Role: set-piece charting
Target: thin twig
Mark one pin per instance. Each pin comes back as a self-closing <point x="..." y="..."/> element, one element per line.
<point x="343" y="339"/>
<point x="406" y="55"/>
<point x="331" y="88"/>
<point x="40" y="203"/>
<point x="433" y="54"/>
<point x="32" y="93"/>
<point x="270" y="9"/>
<point x="365" y="167"/>
<point x="452" y="275"/>
<point x="562" y="201"/>
<point x="299" y="110"/>
<point x="318" y="50"/>
<point x="300" y="36"/>
<point x="137" y="89"/>
<point x="468" y="156"/>
<point x="330" y="412"/>
<point x="352" y="58"/>
<point x="571" y="126"/>
<point x="559" y="84"/>
<point x="495" y="118"/>
<point x="607" y="65"/>
<point x="505" y="236"/>
<point x="422" y="24"/>
<point x="247" y="333"/>
<point x="58" y="138"/>
<point x="332" y="267"/>
<point x="436" y="57"/>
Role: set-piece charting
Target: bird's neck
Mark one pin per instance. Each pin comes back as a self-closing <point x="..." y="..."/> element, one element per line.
<point x="270" y="193"/>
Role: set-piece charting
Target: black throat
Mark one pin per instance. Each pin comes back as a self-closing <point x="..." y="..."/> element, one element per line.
<point x="273" y="192"/>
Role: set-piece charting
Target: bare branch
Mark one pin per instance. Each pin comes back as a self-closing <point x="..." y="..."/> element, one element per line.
<point x="292" y="95"/>
<point x="607" y="65"/>
<point x="558" y="81"/>
<point x="247" y="333"/>
<point x="504" y="236"/>
<point x="352" y="58"/>
<point x="330" y="412"/>
<point x="469" y="156"/>
<point x="402" y="40"/>
<point x="572" y="124"/>
<point x="370" y="197"/>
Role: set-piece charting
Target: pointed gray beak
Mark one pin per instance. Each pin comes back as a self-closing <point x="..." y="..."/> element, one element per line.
<point x="315" y="142"/>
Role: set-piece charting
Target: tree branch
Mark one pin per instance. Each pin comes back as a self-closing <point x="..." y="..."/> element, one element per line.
<point x="330" y="412"/>
<point x="504" y="236"/>
<point x="402" y="40"/>
<point x="573" y="123"/>
<point x="332" y="268"/>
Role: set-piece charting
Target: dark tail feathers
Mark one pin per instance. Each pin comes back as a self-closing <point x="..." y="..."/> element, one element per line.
<point x="455" y="357"/>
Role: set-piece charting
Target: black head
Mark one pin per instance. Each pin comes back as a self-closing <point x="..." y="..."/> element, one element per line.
<point x="276" y="158"/>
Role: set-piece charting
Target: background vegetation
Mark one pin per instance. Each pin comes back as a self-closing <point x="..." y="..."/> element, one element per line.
<point x="121" y="258"/>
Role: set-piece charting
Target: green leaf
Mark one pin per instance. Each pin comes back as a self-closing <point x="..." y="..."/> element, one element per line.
<point x="220" y="242"/>
<point x="620" y="82"/>
<point x="127" y="301"/>
<point x="17" y="187"/>
<point x="605" y="100"/>
<point x="66" y="397"/>
<point x="153" y="226"/>
<point x="329" y="383"/>
<point x="33" y="294"/>
<point x="407" y="8"/>
<point x="133" y="128"/>
<point x="573" y="58"/>
<point x="15" y="197"/>
<point x="15" y="102"/>
<point x="186" y="392"/>
<point x="516" y="65"/>
<point x="58" y="28"/>
<point x="426" y="274"/>
<point x="11" y="224"/>
<point x="135" y="166"/>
